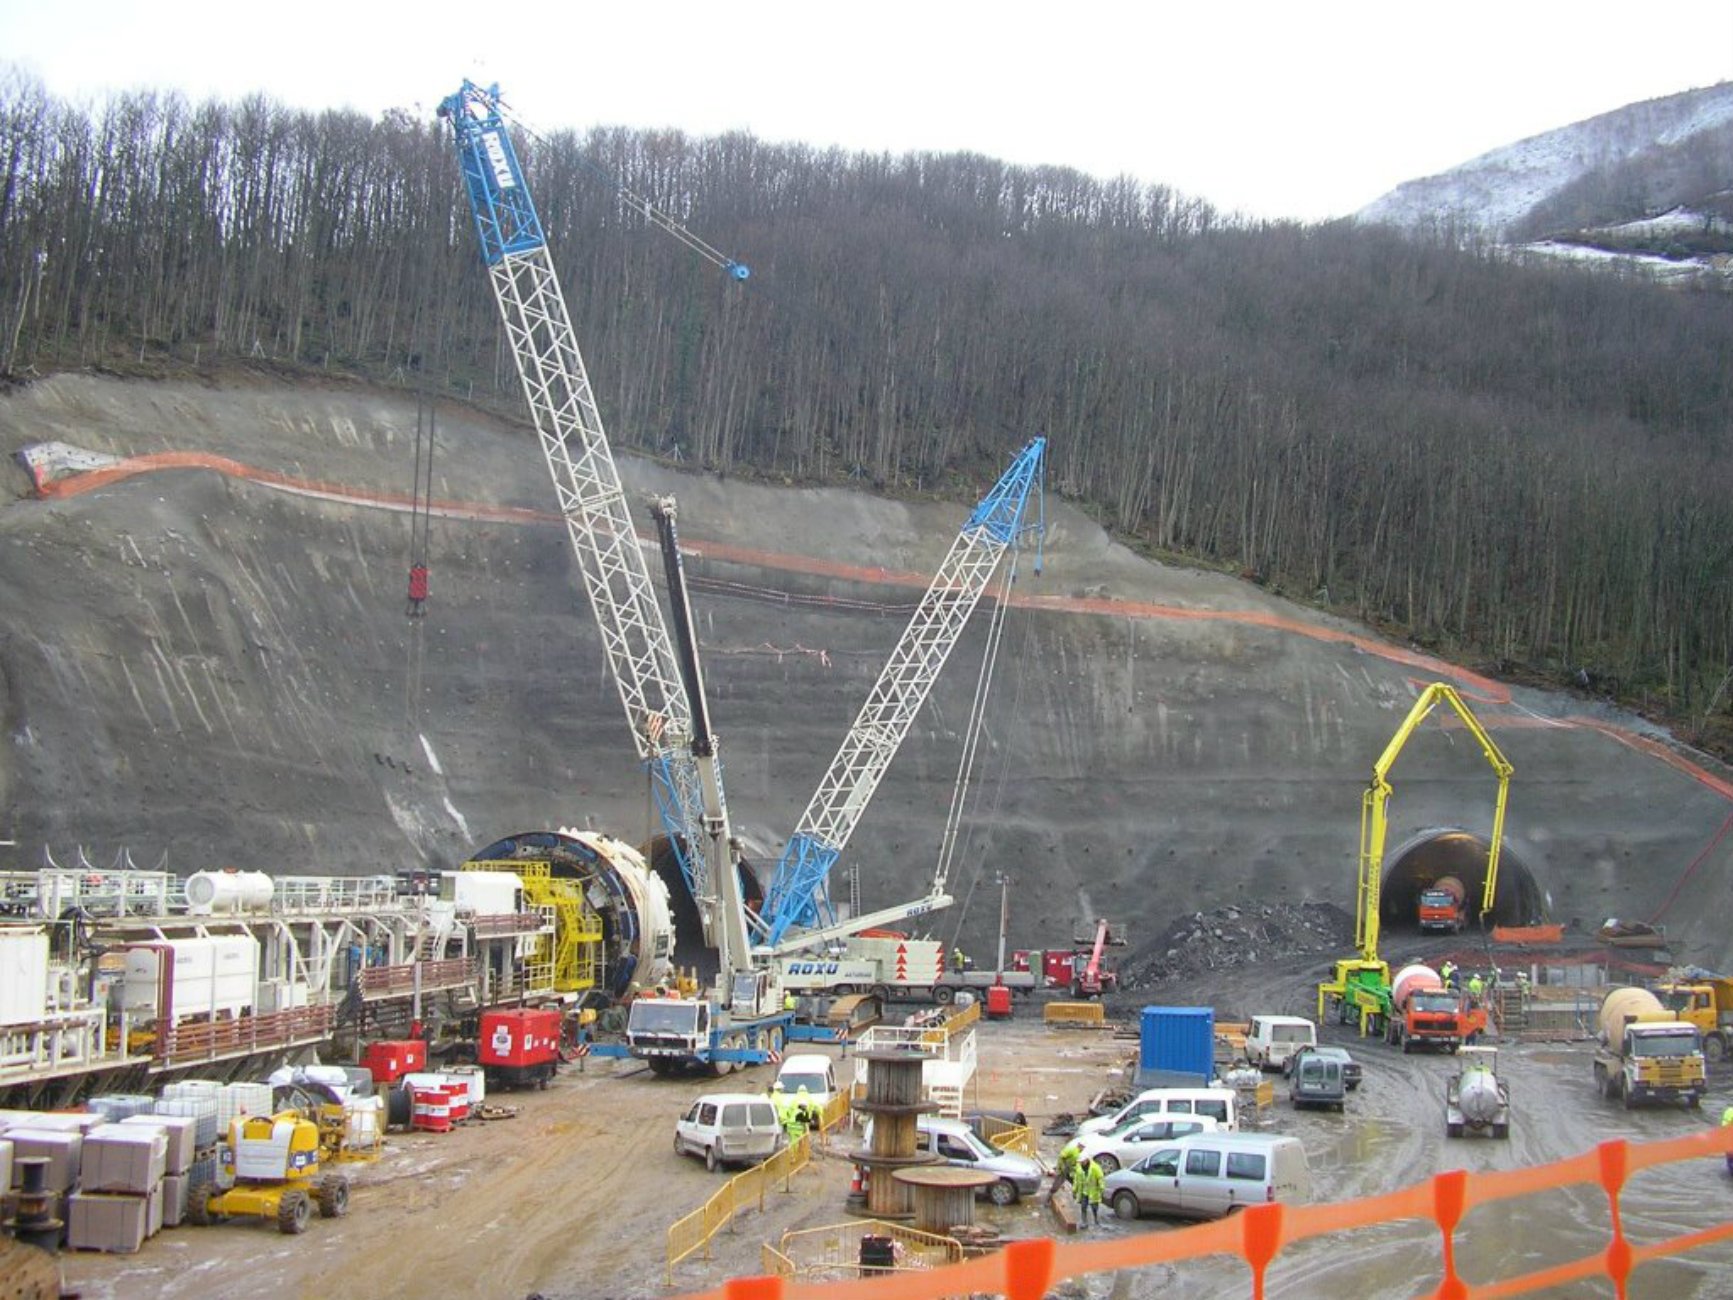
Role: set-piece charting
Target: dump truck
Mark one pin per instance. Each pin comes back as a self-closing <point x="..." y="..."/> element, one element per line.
<point x="1476" y="1100"/>
<point x="1443" y="905"/>
<point x="1423" y="1013"/>
<point x="1647" y="1055"/>
<point x="1705" y="1001"/>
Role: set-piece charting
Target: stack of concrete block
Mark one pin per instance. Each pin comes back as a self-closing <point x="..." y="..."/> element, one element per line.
<point x="119" y="1204"/>
<point x="181" y="1133"/>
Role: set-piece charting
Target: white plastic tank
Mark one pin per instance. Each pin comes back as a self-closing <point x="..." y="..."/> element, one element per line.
<point x="228" y="891"/>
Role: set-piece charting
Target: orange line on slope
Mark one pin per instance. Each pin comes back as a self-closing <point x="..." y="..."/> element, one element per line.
<point x="1491" y="691"/>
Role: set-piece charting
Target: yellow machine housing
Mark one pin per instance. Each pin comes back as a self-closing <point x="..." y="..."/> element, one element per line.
<point x="274" y="1162"/>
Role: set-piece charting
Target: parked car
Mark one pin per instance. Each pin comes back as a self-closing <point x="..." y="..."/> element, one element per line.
<point x="1210" y="1175"/>
<point x="956" y="1143"/>
<point x="1220" y="1104"/>
<point x="1133" y="1140"/>
<point x="1351" y="1071"/>
<point x="1316" y="1079"/>
<point x="1271" y="1040"/>
<point x="729" y="1128"/>
<point x="812" y="1071"/>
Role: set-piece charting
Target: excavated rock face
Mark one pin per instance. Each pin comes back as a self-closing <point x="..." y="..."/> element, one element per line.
<point x="212" y="667"/>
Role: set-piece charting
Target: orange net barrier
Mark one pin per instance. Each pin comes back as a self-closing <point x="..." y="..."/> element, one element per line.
<point x="1027" y="1270"/>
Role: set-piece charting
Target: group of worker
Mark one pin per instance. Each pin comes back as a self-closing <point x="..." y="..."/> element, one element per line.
<point x="1088" y="1181"/>
<point x="1480" y="989"/>
<point x="796" y="1112"/>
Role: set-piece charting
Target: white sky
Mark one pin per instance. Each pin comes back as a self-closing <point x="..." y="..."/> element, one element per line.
<point x="1275" y="108"/>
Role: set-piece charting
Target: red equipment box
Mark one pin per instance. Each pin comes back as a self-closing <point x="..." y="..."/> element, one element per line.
<point x="520" y="1046"/>
<point x="390" y="1061"/>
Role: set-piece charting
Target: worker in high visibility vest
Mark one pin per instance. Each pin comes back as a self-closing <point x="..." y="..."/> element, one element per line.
<point x="1088" y="1185"/>
<point x="1067" y="1165"/>
<point x="1447" y="973"/>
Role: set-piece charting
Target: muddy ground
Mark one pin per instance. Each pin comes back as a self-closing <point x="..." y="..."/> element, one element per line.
<point x="573" y="1197"/>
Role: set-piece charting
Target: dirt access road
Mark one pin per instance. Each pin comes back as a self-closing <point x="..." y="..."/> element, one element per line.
<point x="573" y="1197"/>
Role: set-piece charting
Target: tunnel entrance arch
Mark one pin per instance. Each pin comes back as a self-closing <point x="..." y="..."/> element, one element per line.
<point x="690" y="951"/>
<point x="1449" y="851"/>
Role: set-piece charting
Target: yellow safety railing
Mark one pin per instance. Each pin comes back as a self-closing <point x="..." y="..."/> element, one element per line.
<point x="834" y="1112"/>
<point x="742" y="1192"/>
<point x="1259" y="1234"/>
<point x="824" y="1253"/>
<point x="1075" y="1013"/>
<point x="1008" y="1136"/>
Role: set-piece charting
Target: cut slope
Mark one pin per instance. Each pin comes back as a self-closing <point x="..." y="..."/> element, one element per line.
<point x="215" y="667"/>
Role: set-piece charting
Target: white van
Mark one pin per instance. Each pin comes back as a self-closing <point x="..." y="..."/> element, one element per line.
<point x="1219" y="1104"/>
<point x="1211" y="1175"/>
<point x="729" y="1128"/>
<point x="1271" y="1040"/>
<point x="815" y="1073"/>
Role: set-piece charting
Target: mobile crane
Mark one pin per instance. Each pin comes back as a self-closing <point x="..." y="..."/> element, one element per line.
<point x="640" y="654"/>
<point x="1361" y="988"/>
<point x="797" y="910"/>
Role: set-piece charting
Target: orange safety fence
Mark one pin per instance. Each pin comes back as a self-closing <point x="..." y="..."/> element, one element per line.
<point x="1528" y="934"/>
<point x="1027" y="1270"/>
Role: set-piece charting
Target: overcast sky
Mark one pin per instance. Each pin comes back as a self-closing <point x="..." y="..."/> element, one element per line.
<point x="1274" y="108"/>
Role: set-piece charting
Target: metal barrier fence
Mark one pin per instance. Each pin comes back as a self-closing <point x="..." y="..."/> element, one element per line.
<point x="1075" y="1013"/>
<point x="742" y="1192"/>
<point x="1260" y="1233"/>
<point x="832" y="1253"/>
<point x="1008" y="1136"/>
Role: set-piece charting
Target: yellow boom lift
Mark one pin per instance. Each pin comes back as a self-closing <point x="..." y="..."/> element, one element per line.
<point x="1361" y="986"/>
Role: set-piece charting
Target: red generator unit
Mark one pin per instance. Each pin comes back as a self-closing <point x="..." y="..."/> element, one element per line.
<point x="998" y="1002"/>
<point x="390" y="1061"/>
<point x="520" y="1048"/>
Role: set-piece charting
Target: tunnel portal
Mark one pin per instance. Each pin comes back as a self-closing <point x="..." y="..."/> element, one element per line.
<point x="1434" y="854"/>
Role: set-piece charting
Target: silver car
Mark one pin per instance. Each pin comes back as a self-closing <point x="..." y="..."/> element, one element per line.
<point x="1129" y="1143"/>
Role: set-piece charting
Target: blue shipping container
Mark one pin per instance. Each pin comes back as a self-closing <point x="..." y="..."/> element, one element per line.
<point x="1177" y="1039"/>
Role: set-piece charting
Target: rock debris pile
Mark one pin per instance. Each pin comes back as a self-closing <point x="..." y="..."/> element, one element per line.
<point x="1231" y="937"/>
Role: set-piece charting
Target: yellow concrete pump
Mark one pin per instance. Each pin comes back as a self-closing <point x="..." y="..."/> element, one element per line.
<point x="273" y="1161"/>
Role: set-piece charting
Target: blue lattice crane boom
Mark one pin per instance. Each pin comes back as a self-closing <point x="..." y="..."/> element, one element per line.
<point x="640" y="654"/>
<point x="798" y="899"/>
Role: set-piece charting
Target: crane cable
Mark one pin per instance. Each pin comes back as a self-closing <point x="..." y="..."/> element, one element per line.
<point x="971" y="744"/>
<point x="420" y="526"/>
<point x="639" y="204"/>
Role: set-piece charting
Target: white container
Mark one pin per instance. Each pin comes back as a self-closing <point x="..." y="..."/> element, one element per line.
<point x="23" y="975"/>
<point x="238" y="1100"/>
<point x="228" y="892"/>
<point x="364" y="1123"/>
<point x="485" y="893"/>
<point x="192" y="977"/>
<point x="234" y="973"/>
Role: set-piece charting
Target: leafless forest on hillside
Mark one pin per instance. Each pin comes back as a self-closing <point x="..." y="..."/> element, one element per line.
<point x="1528" y="468"/>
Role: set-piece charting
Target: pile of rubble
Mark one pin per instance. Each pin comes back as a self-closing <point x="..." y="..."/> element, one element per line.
<point x="1230" y="937"/>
